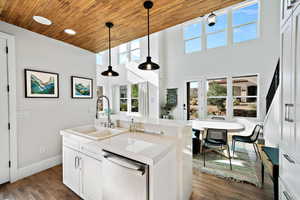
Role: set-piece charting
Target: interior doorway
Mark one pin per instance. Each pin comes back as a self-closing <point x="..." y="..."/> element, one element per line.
<point x="4" y="114"/>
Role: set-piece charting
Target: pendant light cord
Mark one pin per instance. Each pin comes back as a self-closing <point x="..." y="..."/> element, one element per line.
<point x="148" y="10"/>
<point x="109" y="46"/>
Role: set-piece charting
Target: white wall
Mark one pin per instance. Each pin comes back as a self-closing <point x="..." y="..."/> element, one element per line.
<point x="251" y="57"/>
<point x="39" y="120"/>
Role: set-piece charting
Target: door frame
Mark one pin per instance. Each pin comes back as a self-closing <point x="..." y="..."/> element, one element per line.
<point x="12" y="101"/>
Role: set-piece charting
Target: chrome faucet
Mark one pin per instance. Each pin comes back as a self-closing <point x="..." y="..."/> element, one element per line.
<point x="109" y="124"/>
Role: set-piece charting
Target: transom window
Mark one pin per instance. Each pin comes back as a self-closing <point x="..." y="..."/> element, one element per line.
<point x="244" y="22"/>
<point x="216" y="36"/>
<point x="242" y="26"/>
<point x="192" y="37"/>
<point x="129" y="52"/>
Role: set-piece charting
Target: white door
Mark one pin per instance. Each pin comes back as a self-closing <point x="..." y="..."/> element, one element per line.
<point x="4" y="132"/>
<point x="296" y="49"/>
<point x="91" y="175"/>
<point x="288" y="74"/>
<point x="71" y="169"/>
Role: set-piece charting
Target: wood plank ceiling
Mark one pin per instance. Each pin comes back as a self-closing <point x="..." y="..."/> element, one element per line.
<point x="87" y="18"/>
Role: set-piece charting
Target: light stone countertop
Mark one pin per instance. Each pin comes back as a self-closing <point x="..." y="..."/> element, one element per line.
<point x="143" y="147"/>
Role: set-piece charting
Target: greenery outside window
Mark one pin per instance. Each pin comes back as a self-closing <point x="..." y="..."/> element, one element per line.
<point x="123" y="98"/>
<point x="216" y="97"/>
<point x="135" y="98"/>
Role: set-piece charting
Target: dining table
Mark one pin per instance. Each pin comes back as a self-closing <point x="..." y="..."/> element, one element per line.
<point x="203" y="125"/>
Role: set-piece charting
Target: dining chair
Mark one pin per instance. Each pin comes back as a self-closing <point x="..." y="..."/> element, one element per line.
<point x="218" y="118"/>
<point x="250" y="139"/>
<point x="216" y="138"/>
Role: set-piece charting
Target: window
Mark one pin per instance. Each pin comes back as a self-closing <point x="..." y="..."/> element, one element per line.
<point x="123" y="98"/>
<point x="135" y="98"/>
<point x="244" y="22"/>
<point x="100" y="93"/>
<point x="216" y="35"/>
<point x="244" y="96"/>
<point x="129" y="52"/>
<point x="192" y="37"/>
<point x="99" y="60"/>
<point x="192" y="100"/>
<point x="216" y="97"/>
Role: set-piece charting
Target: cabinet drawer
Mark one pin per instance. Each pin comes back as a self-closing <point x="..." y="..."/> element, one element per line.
<point x="69" y="142"/>
<point x="290" y="173"/>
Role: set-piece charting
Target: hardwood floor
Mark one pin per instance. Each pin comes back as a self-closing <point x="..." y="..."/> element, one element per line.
<point x="48" y="185"/>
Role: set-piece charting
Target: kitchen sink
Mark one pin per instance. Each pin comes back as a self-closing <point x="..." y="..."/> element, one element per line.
<point x="97" y="132"/>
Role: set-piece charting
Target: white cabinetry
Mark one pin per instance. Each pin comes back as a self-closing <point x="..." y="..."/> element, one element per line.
<point x="289" y="161"/>
<point x="81" y="172"/>
<point x="91" y="178"/>
<point x="71" y="170"/>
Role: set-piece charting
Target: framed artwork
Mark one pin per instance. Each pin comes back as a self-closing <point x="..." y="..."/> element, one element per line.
<point x="82" y="88"/>
<point x="40" y="84"/>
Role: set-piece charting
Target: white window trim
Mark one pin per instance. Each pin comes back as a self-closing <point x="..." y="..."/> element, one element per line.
<point x="128" y="52"/>
<point x="202" y="95"/>
<point x="129" y="98"/>
<point x="228" y="30"/>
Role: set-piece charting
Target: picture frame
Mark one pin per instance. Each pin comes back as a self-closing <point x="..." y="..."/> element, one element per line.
<point x="41" y="84"/>
<point x="81" y="87"/>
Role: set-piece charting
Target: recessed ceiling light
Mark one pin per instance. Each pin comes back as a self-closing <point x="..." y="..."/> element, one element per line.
<point x="42" y="20"/>
<point x="70" y="31"/>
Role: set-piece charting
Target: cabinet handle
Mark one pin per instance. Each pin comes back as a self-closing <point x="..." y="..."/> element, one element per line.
<point x="285" y="112"/>
<point x="288" y="158"/>
<point x="290" y="4"/>
<point x="287" y="196"/>
<point x="75" y="162"/>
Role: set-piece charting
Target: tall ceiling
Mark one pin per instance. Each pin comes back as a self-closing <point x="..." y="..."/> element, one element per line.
<point x="87" y="18"/>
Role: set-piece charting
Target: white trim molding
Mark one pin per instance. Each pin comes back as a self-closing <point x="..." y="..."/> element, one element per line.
<point x="12" y="104"/>
<point x="39" y="166"/>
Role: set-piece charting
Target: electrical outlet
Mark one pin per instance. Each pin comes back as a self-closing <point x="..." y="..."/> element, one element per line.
<point x="42" y="150"/>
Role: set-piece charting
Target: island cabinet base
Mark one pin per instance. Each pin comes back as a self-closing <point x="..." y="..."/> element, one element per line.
<point x="163" y="178"/>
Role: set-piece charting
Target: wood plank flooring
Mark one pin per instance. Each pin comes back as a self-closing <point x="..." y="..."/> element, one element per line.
<point x="48" y="185"/>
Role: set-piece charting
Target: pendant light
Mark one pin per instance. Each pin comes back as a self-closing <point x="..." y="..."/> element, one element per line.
<point x="212" y="19"/>
<point x="148" y="65"/>
<point x="109" y="71"/>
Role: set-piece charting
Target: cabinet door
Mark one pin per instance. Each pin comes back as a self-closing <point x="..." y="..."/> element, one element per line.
<point x="287" y="85"/>
<point x="71" y="171"/>
<point x="91" y="173"/>
<point x="296" y="55"/>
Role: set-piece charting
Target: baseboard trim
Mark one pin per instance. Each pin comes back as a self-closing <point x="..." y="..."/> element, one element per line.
<point x="39" y="166"/>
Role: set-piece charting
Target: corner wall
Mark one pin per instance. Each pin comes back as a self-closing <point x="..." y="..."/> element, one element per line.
<point x="40" y="120"/>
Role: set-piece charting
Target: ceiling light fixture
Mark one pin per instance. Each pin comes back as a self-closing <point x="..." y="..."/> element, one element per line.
<point x="42" y="20"/>
<point x="109" y="71"/>
<point x="70" y="31"/>
<point x="211" y="19"/>
<point x="148" y="65"/>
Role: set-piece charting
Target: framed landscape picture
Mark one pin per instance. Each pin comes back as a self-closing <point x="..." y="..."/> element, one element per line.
<point x="82" y="88"/>
<point x="40" y="84"/>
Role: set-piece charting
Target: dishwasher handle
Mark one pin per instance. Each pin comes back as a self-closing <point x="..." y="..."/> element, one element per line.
<point x="125" y="163"/>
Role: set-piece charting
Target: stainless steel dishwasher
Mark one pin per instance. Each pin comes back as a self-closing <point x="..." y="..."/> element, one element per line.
<point x="124" y="178"/>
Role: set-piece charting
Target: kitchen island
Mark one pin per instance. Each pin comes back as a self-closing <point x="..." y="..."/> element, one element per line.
<point x="154" y="163"/>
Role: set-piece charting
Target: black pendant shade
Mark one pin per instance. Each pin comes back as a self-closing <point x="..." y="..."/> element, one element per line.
<point x="212" y="19"/>
<point x="148" y="65"/>
<point x="109" y="71"/>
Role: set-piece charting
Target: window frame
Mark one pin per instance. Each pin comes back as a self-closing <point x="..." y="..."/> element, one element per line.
<point x="197" y="21"/>
<point x="216" y="97"/>
<point x="120" y="98"/>
<point x="129" y="51"/>
<point x="225" y="30"/>
<point x="134" y="98"/>
<point x="257" y="22"/>
<point x="256" y="96"/>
